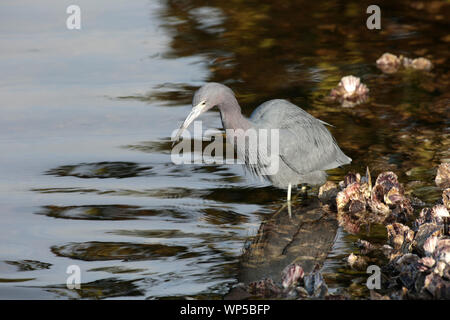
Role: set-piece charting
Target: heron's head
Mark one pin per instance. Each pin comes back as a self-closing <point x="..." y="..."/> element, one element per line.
<point x="208" y="96"/>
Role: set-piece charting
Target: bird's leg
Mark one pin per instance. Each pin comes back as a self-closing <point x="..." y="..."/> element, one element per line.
<point x="289" y="200"/>
<point x="289" y="209"/>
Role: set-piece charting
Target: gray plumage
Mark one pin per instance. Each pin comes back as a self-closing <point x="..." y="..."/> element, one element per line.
<point x="306" y="147"/>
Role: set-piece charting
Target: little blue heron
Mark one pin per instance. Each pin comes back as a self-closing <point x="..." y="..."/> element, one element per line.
<point x="306" y="147"/>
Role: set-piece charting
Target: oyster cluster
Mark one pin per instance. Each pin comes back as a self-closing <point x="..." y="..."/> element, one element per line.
<point x="418" y="257"/>
<point x="390" y="63"/>
<point x="419" y="264"/>
<point x="295" y="284"/>
<point x="350" y="91"/>
<point x="359" y="203"/>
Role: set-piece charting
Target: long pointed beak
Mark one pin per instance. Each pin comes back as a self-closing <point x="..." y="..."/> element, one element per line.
<point x="195" y="112"/>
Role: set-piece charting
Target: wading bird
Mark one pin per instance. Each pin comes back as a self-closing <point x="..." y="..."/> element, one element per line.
<point x="306" y="148"/>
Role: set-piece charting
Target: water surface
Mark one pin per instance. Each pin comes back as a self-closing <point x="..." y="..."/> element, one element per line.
<point x="86" y="117"/>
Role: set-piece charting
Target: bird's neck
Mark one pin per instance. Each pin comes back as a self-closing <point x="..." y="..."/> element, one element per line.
<point x="232" y="118"/>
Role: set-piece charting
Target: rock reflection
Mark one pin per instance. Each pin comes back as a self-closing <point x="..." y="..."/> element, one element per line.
<point x="125" y="251"/>
<point x="100" y="289"/>
<point x="29" y="265"/>
<point x="101" y="170"/>
<point x="97" y="212"/>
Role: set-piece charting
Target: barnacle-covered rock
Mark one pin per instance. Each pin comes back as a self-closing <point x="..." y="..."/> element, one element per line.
<point x="443" y="176"/>
<point x="389" y="63"/>
<point x="350" y="91"/>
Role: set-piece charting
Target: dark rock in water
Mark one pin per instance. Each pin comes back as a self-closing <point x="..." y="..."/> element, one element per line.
<point x="284" y="250"/>
<point x="443" y="176"/>
<point x="305" y="239"/>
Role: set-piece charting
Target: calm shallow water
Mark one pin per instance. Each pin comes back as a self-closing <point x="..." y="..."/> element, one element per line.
<point x="86" y="116"/>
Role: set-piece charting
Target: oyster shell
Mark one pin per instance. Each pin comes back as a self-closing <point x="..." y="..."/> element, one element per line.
<point x="443" y="176"/>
